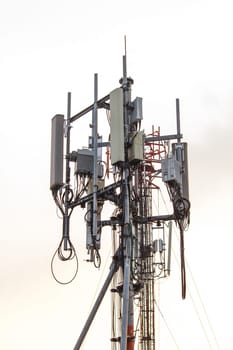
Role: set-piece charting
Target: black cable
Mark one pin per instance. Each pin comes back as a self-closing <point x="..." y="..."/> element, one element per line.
<point x="70" y="195"/>
<point x="57" y="201"/>
<point x="97" y="258"/>
<point x="182" y="263"/>
<point x="181" y="211"/>
<point x="166" y="324"/>
<point x="60" y="253"/>
<point x="71" y="250"/>
<point x="85" y="216"/>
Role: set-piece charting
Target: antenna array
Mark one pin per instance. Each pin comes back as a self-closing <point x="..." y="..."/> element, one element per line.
<point x="135" y="165"/>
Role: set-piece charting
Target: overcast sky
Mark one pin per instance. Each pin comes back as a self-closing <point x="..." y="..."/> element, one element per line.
<point x="175" y="49"/>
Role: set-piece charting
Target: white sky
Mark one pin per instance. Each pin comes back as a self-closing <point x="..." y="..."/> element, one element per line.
<point x="175" y="49"/>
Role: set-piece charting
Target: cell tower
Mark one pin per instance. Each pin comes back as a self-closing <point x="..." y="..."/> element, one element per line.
<point x="136" y="165"/>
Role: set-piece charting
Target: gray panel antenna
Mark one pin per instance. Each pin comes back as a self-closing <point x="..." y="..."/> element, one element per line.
<point x="56" y="162"/>
<point x="117" y="126"/>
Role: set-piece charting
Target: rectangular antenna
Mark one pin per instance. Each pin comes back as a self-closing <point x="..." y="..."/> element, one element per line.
<point x="117" y="126"/>
<point x="185" y="174"/>
<point x="56" y="162"/>
<point x="180" y="151"/>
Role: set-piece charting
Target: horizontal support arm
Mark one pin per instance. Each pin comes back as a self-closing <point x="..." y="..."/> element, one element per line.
<point x="100" y="104"/>
<point x="100" y="193"/>
<point x="148" y="219"/>
<point x="163" y="138"/>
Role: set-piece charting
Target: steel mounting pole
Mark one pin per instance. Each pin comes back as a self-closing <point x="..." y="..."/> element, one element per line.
<point x="178" y="119"/>
<point x="66" y="218"/>
<point x="94" y="145"/>
<point x="127" y="231"/>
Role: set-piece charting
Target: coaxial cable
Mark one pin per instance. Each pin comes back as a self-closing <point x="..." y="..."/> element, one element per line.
<point x="60" y="252"/>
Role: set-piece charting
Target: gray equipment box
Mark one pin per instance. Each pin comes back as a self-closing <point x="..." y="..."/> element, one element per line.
<point x="171" y="170"/>
<point x="136" y="114"/>
<point x="85" y="159"/>
<point x="136" y="150"/>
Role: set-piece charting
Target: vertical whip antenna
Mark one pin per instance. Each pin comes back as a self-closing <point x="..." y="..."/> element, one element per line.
<point x="178" y="119"/>
<point x="125" y="64"/>
<point x="125" y="45"/>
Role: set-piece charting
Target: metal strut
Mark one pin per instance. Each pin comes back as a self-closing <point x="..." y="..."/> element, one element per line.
<point x="113" y="268"/>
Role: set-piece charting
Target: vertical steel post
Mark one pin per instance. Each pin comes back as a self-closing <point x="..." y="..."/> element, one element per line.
<point x="124" y="331"/>
<point x="127" y="305"/>
<point x="66" y="218"/>
<point x="94" y="145"/>
<point x="178" y="146"/>
<point x="178" y="119"/>
<point x="169" y="248"/>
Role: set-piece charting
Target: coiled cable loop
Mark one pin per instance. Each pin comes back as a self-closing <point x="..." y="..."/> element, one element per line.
<point x="64" y="247"/>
